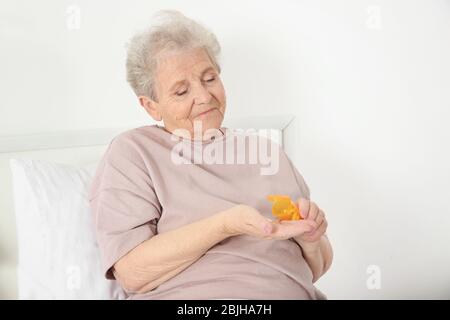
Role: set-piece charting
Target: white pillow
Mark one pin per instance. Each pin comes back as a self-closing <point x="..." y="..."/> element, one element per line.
<point x="58" y="254"/>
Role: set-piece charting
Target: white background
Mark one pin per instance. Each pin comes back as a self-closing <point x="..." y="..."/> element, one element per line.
<point x="368" y="82"/>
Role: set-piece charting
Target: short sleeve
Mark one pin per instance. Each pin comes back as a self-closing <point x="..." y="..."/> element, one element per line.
<point x="302" y="186"/>
<point x="123" y="202"/>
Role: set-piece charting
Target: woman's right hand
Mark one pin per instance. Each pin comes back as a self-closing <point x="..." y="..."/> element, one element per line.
<point x="243" y="219"/>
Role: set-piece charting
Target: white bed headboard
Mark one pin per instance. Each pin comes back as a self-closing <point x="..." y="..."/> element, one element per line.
<point x="75" y="148"/>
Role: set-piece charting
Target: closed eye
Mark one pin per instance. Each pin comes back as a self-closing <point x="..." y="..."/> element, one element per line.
<point x="181" y="93"/>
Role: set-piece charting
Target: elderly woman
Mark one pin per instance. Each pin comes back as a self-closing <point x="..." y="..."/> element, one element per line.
<point x="198" y="230"/>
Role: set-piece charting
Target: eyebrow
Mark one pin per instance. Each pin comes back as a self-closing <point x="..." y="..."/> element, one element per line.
<point x="177" y="83"/>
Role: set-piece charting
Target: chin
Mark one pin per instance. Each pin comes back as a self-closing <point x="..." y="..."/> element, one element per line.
<point x="212" y="123"/>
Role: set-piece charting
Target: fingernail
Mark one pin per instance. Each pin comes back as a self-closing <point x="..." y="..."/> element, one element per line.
<point x="268" y="228"/>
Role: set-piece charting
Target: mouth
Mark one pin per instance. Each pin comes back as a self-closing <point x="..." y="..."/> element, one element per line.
<point x="205" y="112"/>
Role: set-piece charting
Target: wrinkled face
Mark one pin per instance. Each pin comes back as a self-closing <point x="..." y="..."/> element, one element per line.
<point x="188" y="88"/>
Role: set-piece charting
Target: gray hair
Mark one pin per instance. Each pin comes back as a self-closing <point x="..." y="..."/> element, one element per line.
<point x="175" y="33"/>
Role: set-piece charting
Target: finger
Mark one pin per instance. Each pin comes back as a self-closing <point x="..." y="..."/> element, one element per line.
<point x="319" y="224"/>
<point x="299" y="222"/>
<point x="258" y="224"/>
<point x="303" y="205"/>
<point x="294" y="228"/>
<point x="320" y="217"/>
<point x="315" y="234"/>
<point x="321" y="230"/>
<point x="267" y="226"/>
<point x="313" y="211"/>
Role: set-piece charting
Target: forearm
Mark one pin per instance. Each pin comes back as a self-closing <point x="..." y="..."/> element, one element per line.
<point x="165" y="255"/>
<point x="319" y="256"/>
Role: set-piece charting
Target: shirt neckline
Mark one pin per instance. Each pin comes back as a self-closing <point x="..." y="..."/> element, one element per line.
<point x="224" y="130"/>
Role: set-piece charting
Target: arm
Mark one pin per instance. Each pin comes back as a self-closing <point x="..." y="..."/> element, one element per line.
<point x="165" y="255"/>
<point x="319" y="255"/>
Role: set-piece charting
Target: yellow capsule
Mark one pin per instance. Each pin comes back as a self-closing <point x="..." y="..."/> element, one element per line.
<point x="284" y="208"/>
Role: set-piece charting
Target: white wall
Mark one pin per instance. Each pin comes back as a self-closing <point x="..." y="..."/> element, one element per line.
<point x="369" y="82"/>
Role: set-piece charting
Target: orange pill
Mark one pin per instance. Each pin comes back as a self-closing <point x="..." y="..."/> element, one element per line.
<point x="284" y="208"/>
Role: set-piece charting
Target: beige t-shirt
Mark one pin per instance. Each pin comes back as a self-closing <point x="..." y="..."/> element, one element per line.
<point x="150" y="181"/>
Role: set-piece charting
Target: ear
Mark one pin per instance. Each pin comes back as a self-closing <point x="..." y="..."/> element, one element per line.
<point x="151" y="107"/>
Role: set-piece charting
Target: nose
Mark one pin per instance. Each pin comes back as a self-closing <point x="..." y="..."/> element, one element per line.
<point x="201" y="95"/>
